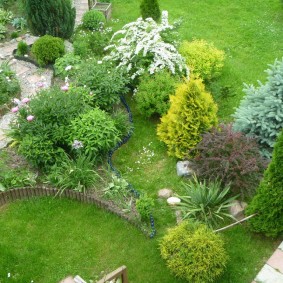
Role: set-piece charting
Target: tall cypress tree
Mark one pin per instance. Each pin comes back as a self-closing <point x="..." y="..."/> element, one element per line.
<point x="268" y="201"/>
<point x="53" y="17"/>
<point x="150" y="9"/>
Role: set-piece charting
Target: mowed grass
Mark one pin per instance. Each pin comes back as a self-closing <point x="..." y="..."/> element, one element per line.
<point x="43" y="240"/>
<point x="46" y="239"/>
<point x="250" y="33"/>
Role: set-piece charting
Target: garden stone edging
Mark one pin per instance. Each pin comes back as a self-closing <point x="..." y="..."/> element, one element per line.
<point x="29" y="193"/>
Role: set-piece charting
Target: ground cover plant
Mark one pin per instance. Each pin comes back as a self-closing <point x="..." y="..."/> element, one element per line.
<point x="143" y="161"/>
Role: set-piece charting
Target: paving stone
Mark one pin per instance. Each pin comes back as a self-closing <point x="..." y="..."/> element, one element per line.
<point x="269" y="275"/>
<point x="276" y="260"/>
<point x="281" y="246"/>
<point x="19" y="69"/>
<point x="68" y="280"/>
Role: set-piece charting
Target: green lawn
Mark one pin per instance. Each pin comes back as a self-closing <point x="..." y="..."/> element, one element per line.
<point x="250" y="33"/>
<point x="46" y="239"/>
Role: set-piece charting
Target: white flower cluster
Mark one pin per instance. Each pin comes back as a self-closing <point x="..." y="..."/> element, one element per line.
<point x="139" y="45"/>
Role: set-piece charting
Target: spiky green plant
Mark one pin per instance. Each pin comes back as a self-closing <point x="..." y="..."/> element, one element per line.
<point x="205" y="202"/>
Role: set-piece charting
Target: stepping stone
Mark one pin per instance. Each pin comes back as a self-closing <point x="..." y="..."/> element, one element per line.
<point x="19" y="69"/>
<point x="165" y="193"/>
<point x="269" y="275"/>
<point x="281" y="247"/>
<point x="68" y="280"/>
<point x="276" y="260"/>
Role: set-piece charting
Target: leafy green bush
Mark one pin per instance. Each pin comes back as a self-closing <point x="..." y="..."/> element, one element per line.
<point x="231" y="158"/>
<point x="268" y="201"/>
<point x="203" y="58"/>
<point x="91" y="44"/>
<point x="53" y="17"/>
<point x="106" y="82"/>
<point x="96" y="130"/>
<point x="9" y="85"/>
<point x="191" y="113"/>
<point x="43" y="139"/>
<point x="75" y="174"/>
<point x="153" y="92"/>
<point x="205" y="202"/>
<point x="144" y="205"/>
<point x="3" y="31"/>
<point x="93" y="20"/>
<point x="260" y="113"/>
<point x="67" y="65"/>
<point x="5" y="16"/>
<point x="47" y="49"/>
<point x="194" y="253"/>
<point x="150" y="9"/>
<point x="22" y="48"/>
<point x="121" y="121"/>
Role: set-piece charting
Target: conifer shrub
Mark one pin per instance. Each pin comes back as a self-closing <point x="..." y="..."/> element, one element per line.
<point x="191" y="113"/>
<point x="150" y="9"/>
<point x="260" y="113"/>
<point x="22" y="48"/>
<point x="93" y="20"/>
<point x="204" y="60"/>
<point x="268" y="201"/>
<point x="230" y="157"/>
<point x="153" y="92"/>
<point x="47" y="49"/>
<point x="53" y="17"/>
<point x="194" y="253"/>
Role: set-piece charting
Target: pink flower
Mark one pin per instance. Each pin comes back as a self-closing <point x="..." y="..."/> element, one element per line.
<point x="64" y="87"/>
<point x="40" y="84"/>
<point x="25" y="100"/>
<point x="15" y="109"/>
<point x="30" y="118"/>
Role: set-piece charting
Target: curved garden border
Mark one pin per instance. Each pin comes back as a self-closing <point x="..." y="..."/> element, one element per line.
<point x="118" y="145"/>
<point x="29" y="193"/>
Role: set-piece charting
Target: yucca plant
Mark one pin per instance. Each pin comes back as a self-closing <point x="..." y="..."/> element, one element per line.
<point x="205" y="202"/>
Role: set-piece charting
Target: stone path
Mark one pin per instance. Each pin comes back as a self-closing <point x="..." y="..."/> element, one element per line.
<point x="31" y="79"/>
<point x="81" y="7"/>
<point x="272" y="271"/>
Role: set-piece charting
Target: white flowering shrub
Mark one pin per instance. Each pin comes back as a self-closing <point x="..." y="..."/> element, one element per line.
<point x="139" y="47"/>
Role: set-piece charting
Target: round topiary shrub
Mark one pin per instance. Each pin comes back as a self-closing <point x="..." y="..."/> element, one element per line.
<point x="47" y="49"/>
<point x="203" y="58"/>
<point x="194" y="252"/>
<point x="93" y="20"/>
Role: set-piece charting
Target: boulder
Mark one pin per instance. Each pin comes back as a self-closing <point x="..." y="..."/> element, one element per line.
<point x="184" y="168"/>
<point x="237" y="209"/>
<point x="165" y="193"/>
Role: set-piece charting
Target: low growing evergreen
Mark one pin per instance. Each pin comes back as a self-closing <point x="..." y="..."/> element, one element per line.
<point x="268" y="202"/>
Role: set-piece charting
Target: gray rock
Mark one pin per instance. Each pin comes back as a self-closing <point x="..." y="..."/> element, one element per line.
<point x="237" y="209"/>
<point x="165" y="193"/>
<point x="184" y="168"/>
<point x="178" y="214"/>
<point x="68" y="46"/>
